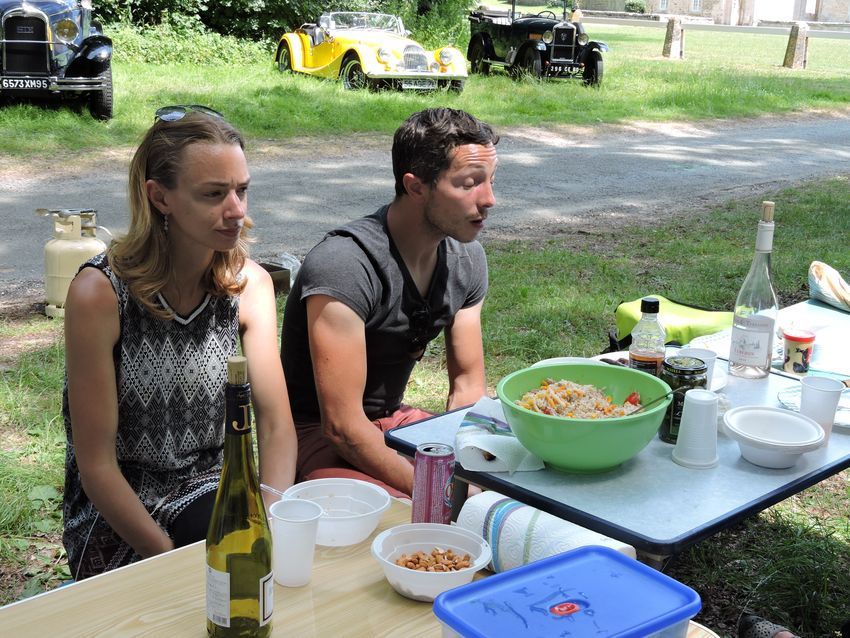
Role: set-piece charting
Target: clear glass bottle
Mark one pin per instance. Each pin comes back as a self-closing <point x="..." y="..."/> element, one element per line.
<point x="646" y="351"/>
<point x="240" y="583"/>
<point x="756" y="308"/>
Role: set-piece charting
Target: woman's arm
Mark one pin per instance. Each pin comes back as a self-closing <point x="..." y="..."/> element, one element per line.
<point x="276" y="440"/>
<point x="92" y="329"/>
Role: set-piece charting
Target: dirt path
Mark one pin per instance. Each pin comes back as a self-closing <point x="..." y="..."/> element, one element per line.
<point x="558" y="180"/>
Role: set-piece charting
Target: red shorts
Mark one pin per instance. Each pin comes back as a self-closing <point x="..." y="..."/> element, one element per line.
<point x="317" y="458"/>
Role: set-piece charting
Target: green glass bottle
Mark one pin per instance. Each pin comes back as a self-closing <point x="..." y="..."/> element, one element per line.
<point x="240" y="583"/>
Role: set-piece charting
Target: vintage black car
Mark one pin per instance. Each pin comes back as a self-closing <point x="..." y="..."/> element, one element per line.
<point x="539" y="44"/>
<point x="54" y="49"/>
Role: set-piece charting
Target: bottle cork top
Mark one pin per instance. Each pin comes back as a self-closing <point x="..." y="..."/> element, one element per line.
<point x="237" y="370"/>
<point x="767" y="211"/>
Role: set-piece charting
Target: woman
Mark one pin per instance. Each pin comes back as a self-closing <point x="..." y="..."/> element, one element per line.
<point x="149" y="326"/>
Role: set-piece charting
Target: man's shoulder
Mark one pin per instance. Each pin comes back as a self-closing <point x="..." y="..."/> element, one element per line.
<point x="472" y="249"/>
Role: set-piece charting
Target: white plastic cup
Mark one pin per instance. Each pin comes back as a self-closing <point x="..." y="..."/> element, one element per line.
<point x="709" y="356"/>
<point x="294" y="526"/>
<point x="819" y="399"/>
<point x="696" y="444"/>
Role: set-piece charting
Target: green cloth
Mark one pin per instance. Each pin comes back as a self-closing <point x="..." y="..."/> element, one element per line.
<point x="681" y="323"/>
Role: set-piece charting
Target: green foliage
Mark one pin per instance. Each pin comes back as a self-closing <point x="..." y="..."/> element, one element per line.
<point x="636" y="6"/>
<point x="183" y="42"/>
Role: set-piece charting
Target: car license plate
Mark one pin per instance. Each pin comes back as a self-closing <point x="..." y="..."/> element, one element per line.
<point x="24" y="84"/>
<point x="557" y="69"/>
<point x="419" y="84"/>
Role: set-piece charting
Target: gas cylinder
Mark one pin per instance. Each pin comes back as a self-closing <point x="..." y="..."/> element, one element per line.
<point x="74" y="242"/>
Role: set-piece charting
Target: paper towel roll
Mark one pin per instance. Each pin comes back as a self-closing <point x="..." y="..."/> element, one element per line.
<point x="519" y="534"/>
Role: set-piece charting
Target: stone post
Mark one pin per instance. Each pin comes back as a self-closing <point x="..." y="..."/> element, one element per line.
<point x="674" y="41"/>
<point x="798" y="46"/>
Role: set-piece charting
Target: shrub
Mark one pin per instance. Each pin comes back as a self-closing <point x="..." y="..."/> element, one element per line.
<point x="636" y="6"/>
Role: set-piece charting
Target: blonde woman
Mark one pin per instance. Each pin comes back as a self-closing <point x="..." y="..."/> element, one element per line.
<point x="149" y="325"/>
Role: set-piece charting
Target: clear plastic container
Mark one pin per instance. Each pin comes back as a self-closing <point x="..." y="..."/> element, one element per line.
<point x="589" y="591"/>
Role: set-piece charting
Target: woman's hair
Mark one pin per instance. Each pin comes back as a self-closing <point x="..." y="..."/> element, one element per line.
<point x="141" y="256"/>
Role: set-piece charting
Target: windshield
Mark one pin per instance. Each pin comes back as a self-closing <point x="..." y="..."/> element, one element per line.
<point x="361" y="20"/>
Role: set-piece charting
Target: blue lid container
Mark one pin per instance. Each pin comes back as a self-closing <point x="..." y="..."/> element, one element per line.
<point x="589" y="591"/>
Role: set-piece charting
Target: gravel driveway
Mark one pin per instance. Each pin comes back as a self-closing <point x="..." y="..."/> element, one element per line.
<point x="549" y="180"/>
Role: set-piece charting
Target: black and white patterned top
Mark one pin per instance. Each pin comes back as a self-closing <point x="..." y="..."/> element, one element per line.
<point x="170" y="376"/>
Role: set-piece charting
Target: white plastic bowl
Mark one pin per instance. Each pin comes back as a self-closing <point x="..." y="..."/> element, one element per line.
<point x="352" y="508"/>
<point x="413" y="537"/>
<point x="772" y="437"/>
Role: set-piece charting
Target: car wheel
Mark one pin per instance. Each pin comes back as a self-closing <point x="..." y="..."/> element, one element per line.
<point x="352" y="74"/>
<point x="529" y="63"/>
<point x="456" y="86"/>
<point x="100" y="102"/>
<point x="284" y="60"/>
<point x="593" y="67"/>
<point x="476" y="58"/>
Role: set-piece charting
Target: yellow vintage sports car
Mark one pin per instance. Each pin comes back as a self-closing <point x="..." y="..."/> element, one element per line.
<point x="369" y="50"/>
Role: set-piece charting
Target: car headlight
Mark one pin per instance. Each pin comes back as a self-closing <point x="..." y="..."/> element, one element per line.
<point x="548" y="37"/>
<point x="446" y="57"/>
<point x="66" y="30"/>
<point x="583" y="39"/>
<point x="384" y="56"/>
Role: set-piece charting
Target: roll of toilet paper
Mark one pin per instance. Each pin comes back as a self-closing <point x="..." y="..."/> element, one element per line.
<point x="519" y="534"/>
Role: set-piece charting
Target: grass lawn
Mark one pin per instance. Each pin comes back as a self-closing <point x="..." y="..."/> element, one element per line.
<point x="789" y="563"/>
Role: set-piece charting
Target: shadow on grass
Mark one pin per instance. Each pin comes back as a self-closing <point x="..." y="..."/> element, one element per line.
<point x="791" y="572"/>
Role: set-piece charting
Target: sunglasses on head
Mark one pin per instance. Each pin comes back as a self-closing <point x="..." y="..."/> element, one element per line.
<point x="179" y="111"/>
<point x="419" y="332"/>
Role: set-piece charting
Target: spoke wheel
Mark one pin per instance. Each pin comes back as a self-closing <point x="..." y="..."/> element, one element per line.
<point x="529" y="63"/>
<point x="476" y="58"/>
<point x="284" y="60"/>
<point x="353" y="76"/>
<point x="593" y="68"/>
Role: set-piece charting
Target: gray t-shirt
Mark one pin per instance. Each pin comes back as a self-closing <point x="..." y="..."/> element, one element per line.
<point x="359" y="265"/>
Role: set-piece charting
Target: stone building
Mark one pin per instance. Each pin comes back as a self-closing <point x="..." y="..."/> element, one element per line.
<point x="751" y="12"/>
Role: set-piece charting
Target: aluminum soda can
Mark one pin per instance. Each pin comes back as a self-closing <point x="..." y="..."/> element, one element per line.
<point x="433" y="471"/>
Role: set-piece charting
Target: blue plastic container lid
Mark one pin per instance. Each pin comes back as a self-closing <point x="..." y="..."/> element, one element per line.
<point x="588" y="591"/>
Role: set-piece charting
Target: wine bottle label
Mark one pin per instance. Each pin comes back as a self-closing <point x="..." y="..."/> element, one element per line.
<point x="238" y="410"/>
<point x="752" y="339"/>
<point x="266" y="598"/>
<point x="218" y="597"/>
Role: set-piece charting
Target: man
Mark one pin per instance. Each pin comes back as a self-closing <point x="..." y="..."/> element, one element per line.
<point x="371" y="295"/>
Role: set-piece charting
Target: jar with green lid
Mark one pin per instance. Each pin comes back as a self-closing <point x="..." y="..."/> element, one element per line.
<point x="681" y="374"/>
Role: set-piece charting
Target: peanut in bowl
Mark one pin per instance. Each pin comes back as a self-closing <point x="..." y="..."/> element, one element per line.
<point x="427" y="545"/>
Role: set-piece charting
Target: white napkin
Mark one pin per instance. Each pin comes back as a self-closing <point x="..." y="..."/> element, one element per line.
<point x="519" y="534"/>
<point x="485" y="443"/>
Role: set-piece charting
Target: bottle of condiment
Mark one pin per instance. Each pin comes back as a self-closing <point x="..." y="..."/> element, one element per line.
<point x="754" y="321"/>
<point x="681" y="374"/>
<point x="646" y="351"/>
<point x="240" y="583"/>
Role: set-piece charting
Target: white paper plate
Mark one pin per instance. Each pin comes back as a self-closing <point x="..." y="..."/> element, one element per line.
<point x="566" y="360"/>
<point x="718" y="381"/>
<point x="790" y="398"/>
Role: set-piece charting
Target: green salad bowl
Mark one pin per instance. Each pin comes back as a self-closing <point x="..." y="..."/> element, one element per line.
<point x="585" y="445"/>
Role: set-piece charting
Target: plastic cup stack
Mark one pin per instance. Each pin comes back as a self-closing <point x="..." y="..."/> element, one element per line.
<point x="696" y="445"/>
<point x="709" y="356"/>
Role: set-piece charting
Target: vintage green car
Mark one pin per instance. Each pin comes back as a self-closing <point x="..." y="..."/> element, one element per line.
<point x="369" y="50"/>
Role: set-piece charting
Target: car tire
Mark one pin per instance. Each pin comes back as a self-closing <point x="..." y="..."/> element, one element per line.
<point x="456" y="86"/>
<point x="529" y="63"/>
<point x="284" y="59"/>
<point x="476" y="58"/>
<point x="352" y="74"/>
<point x="100" y="102"/>
<point x="593" y="68"/>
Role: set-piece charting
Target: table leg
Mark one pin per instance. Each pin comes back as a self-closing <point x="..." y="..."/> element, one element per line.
<point x="656" y="561"/>
<point x="460" y="491"/>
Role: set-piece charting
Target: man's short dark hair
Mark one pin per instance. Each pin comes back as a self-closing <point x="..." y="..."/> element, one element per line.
<point x="423" y="144"/>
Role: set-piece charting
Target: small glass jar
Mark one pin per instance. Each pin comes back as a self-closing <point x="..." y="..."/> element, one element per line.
<point x="681" y="374"/>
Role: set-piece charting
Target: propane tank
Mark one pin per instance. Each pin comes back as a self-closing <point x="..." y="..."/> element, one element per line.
<point x="74" y="242"/>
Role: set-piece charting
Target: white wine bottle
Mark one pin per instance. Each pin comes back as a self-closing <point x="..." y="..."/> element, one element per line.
<point x="756" y="308"/>
<point x="240" y="584"/>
